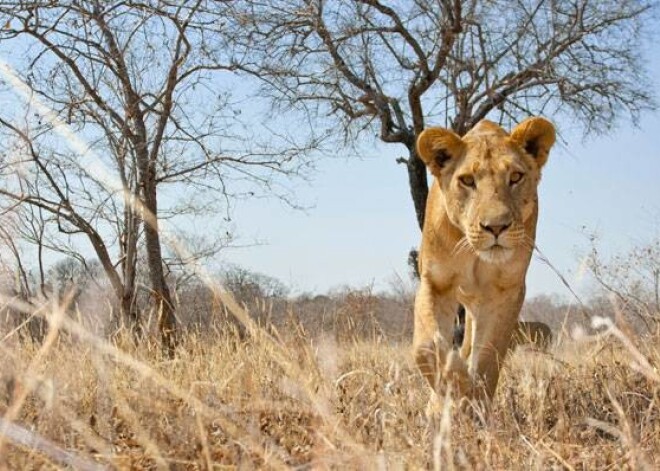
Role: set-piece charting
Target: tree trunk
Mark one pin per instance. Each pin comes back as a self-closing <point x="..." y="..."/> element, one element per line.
<point x="160" y="290"/>
<point x="129" y="314"/>
<point x="419" y="188"/>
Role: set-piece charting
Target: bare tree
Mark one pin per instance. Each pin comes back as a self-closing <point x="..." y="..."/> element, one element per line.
<point x="388" y="67"/>
<point x="249" y="286"/>
<point x="136" y="82"/>
<point x="13" y="265"/>
<point x="629" y="281"/>
<point x="30" y="226"/>
<point x="48" y="184"/>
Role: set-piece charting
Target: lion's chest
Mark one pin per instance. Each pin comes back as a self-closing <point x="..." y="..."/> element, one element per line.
<point x="470" y="278"/>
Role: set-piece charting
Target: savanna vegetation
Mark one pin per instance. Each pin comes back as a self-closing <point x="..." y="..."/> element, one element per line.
<point x="325" y="381"/>
<point x="127" y="121"/>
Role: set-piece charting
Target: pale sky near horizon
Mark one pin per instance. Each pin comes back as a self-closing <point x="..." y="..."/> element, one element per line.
<point x="362" y="224"/>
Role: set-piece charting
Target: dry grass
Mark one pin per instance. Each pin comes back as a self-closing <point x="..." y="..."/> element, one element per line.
<point x="266" y="402"/>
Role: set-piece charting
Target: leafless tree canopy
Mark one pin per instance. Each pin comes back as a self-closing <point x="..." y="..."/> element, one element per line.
<point x="391" y="67"/>
<point x="123" y="98"/>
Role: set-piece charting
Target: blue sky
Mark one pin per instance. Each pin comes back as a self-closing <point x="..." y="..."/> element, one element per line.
<point x="362" y="224"/>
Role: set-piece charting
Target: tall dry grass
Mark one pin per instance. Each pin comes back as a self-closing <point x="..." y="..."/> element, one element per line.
<point x="282" y="398"/>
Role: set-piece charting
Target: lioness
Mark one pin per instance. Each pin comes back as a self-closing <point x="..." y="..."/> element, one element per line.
<point x="535" y="333"/>
<point x="477" y="242"/>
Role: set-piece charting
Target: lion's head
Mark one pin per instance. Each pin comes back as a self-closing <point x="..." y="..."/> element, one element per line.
<point x="488" y="180"/>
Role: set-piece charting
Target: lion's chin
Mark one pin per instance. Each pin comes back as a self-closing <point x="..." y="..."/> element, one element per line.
<point x="496" y="254"/>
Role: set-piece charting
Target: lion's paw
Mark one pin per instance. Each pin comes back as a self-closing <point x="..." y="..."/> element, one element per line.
<point x="456" y="374"/>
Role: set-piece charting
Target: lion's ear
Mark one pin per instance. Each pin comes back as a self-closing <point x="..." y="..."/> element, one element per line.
<point x="437" y="146"/>
<point x="536" y="136"/>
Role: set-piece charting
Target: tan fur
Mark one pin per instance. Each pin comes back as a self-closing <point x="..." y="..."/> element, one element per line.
<point x="476" y="247"/>
<point x="537" y="334"/>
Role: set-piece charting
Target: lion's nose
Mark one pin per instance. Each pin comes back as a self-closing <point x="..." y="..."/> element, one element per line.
<point x="495" y="229"/>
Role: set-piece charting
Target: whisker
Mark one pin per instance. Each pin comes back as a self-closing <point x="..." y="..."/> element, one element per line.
<point x="467" y="247"/>
<point x="528" y="242"/>
<point x="457" y="246"/>
<point x="461" y="246"/>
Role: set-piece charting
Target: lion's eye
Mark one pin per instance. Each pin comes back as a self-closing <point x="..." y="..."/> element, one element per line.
<point x="467" y="180"/>
<point x="516" y="177"/>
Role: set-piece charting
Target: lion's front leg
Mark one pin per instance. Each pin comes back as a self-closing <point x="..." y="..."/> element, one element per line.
<point x="466" y="348"/>
<point x="432" y="339"/>
<point x="493" y="325"/>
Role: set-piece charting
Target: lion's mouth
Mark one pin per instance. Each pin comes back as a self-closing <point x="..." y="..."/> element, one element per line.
<point x="496" y="253"/>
